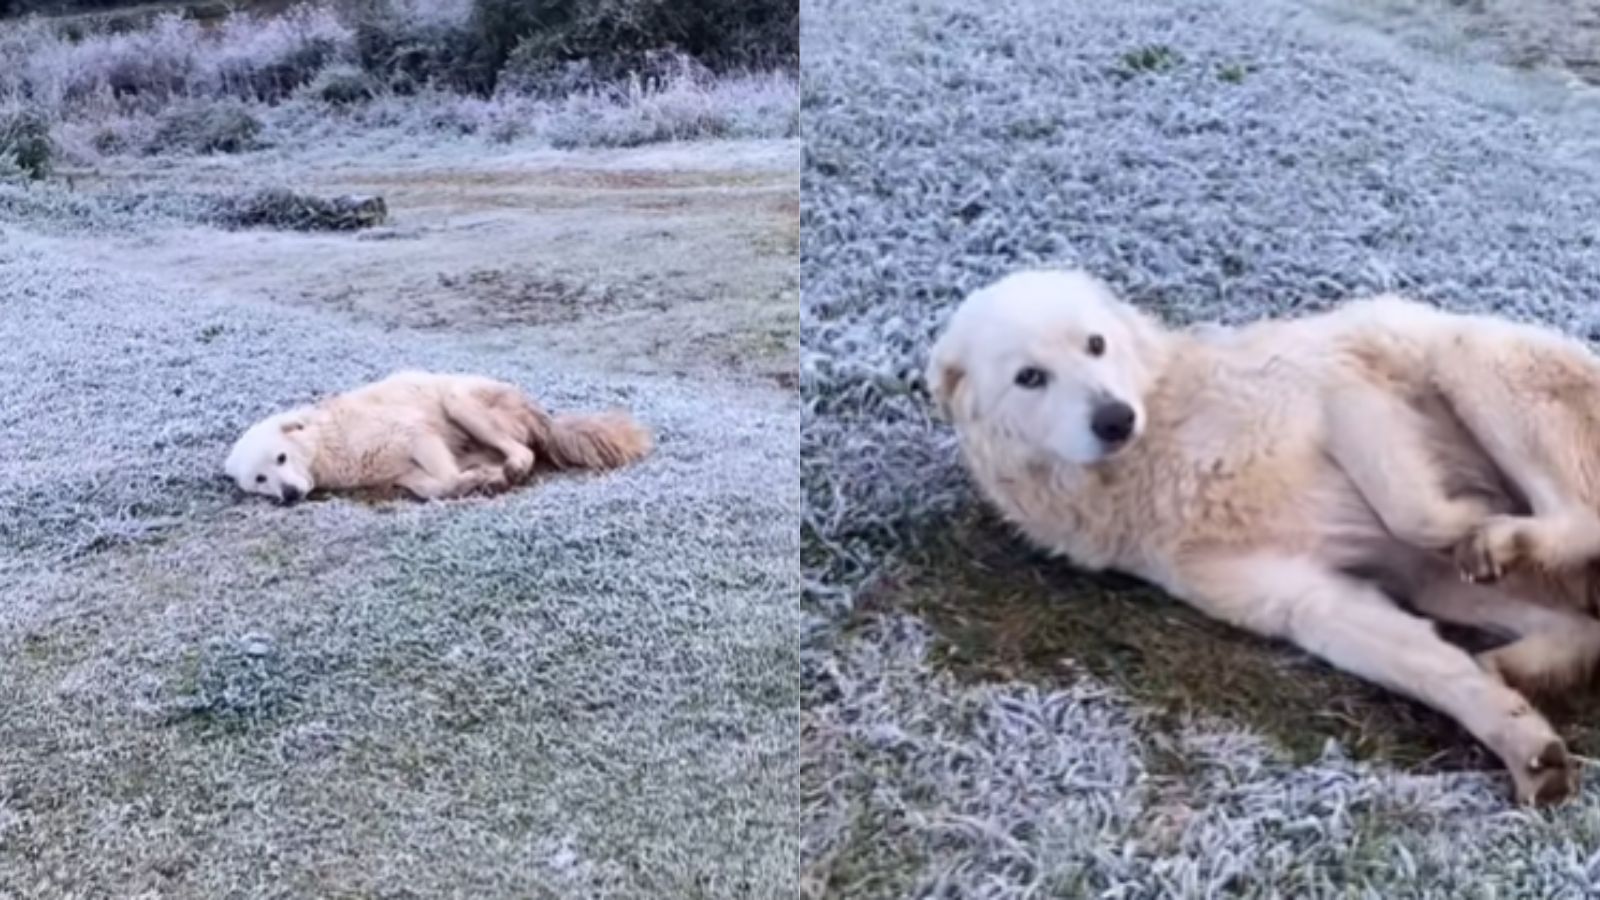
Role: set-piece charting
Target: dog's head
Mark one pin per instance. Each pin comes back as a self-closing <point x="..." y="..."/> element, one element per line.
<point x="1050" y="359"/>
<point x="273" y="458"/>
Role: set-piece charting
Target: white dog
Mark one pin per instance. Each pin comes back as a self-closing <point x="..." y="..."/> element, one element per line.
<point x="433" y="435"/>
<point x="1297" y="478"/>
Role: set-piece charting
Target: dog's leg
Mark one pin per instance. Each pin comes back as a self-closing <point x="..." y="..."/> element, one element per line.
<point x="1379" y="441"/>
<point x="485" y="424"/>
<point x="1559" y="540"/>
<point x="1352" y="625"/>
<point x="1534" y="406"/>
<point x="1552" y="647"/>
<point x="437" y="476"/>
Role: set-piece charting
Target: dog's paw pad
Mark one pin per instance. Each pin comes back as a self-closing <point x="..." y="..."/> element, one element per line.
<point x="1486" y="553"/>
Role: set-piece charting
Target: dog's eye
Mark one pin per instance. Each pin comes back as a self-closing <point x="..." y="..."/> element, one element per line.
<point x="283" y="458"/>
<point x="1097" y="345"/>
<point x="1031" y="377"/>
<point x="261" y="479"/>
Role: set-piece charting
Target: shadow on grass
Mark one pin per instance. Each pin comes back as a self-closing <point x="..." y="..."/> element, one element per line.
<point x="1002" y="611"/>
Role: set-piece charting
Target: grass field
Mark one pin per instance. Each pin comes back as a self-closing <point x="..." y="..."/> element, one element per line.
<point x="583" y="688"/>
<point x="981" y="721"/>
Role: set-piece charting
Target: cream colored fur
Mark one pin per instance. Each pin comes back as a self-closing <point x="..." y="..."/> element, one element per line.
<point x="1295" y="478"/>
<point x="433" y="435"/>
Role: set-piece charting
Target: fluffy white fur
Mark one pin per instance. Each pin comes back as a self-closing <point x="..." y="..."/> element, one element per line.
<point x="1298" y="478"/>
<point x="433" y="435"/>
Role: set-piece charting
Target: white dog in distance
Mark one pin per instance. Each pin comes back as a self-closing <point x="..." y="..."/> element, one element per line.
<point x="1304" y="478"/>
<point x="433" y="435"/>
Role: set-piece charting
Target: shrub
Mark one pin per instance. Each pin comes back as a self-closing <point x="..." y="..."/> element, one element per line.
<point x="25" y="142"/>
<point x="269" y="58"/>
<point x="143" y="69"/>
<point x="283" y="208"/>
<point x="535" y="37"/>
<point x="342" y="85"/>
<point x="110" y="142"/>
<point x="206" y="127"/>
<point x="529" y="71"/>
<point x="683" y="108"/>
<point x="407" y="52"/>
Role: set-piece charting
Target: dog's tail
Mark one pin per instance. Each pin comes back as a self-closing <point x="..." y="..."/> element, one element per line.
<point x="607" y="440"/>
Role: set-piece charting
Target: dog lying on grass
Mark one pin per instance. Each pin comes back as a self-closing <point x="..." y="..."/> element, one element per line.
<point x="432" y="435"/>
<point x="1304" y="478"/>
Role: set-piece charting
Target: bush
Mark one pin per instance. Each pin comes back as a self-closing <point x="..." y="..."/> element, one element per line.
<point x="529" y="71"/>
<point x="201" y="127"/>
<point x="406" y="53"/>
<point x="110" y="142"/>
<point x="142" y="71"/>
<point x="268" y="59"/>
<point x="682" y="109"/>
<point x="342" y="86"/>
<point x="282" y="208"/>
<point x="536" y="37"/>
<point x="25" y="142"/>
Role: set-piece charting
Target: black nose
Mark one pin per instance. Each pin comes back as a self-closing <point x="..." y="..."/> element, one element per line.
<point x="291" y="495"/>
<point x="1112" y="422"/>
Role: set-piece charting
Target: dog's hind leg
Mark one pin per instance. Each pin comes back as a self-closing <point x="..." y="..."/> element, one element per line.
<point x="487" y="423"/>
<point x="1551" y="647"/>
<point x="437" y="476"/>
<point x="1351" y="624"/>
<point x="1381" y="443"/>
<point x="1533" y="402"/>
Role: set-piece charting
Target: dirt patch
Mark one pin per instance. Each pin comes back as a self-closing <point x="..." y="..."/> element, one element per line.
<point x="511" y="297"/>
<point x="1005" y="613"/>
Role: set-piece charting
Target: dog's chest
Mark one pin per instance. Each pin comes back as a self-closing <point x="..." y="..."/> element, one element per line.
<point x="1237" y="457"/>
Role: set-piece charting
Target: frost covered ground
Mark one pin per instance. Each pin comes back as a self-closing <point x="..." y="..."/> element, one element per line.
<point x="585" y="688"/>
<point x="980" y="722"/>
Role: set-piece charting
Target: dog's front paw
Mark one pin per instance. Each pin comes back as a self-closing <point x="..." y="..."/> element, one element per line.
<point x="519" y="465"/>
<point x="1491" y="549"/>
<point x="487" y="479"/>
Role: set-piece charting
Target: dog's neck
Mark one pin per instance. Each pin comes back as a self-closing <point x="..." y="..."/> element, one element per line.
<point x="313" y="437"/>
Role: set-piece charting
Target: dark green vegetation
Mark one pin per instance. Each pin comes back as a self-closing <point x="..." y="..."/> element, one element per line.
<point x="25" y="143"/>
<point x="1152" y="58"/>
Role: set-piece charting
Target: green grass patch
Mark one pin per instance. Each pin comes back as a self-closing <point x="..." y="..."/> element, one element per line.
<point x="1151" y="58"/>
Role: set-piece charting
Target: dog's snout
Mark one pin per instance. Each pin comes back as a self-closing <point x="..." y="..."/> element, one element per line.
<point x="291" y="494"/>
<point x="1112" y="422"/>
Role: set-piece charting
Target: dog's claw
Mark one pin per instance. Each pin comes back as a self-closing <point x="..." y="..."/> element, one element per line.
<point x="1476" y="559"/>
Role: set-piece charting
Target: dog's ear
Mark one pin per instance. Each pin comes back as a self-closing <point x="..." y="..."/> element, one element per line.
<point x="1145" y="331"/>
<point x="946" y="375"/>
